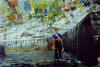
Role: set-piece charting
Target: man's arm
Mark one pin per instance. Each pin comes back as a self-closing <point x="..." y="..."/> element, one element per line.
<point x="62" y="43"/>
<point x="54" y="43"/>
<point x="62" y="46"/>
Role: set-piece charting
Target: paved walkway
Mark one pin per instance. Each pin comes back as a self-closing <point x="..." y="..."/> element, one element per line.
<point x="31" y="57"/>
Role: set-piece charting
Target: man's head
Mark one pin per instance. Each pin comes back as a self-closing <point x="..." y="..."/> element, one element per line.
<point x="98" y="59"/>
<point x="56" y="30"/>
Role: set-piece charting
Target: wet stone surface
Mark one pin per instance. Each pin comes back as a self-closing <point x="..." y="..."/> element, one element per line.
<point x="35" y="59"/>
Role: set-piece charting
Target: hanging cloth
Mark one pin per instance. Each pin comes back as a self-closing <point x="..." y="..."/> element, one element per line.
<point x="24" y="15"/>
<point x="18" y="16"/>
<point x="11" y="18"/>
<point x="40" y="10"/>
<point x="64" y="1"/>
<point x="21" y="4"/>
<point x="14" y="2"/>
<point x="36" y="11"/>
<point x="6" y="0"/>
<point x="21" y="16"/>
<point x="27" y="6"/>
<point x="81" y="1"/>
<point x="30" y="15"/>
<point x="67" y="5"/>
<point x="16" y="23"/>
<point x="32" y="8"/>
<point x="51" y="8"/>
<point x="10" y="26"/>
<point x="78" y="1"/>
<point x="27" y="14"/>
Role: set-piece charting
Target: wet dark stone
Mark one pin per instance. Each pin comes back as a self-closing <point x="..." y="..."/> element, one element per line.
<point x="44" y="64"/>
<point x="6" y="66"/>
<point x="55" y="63"/>
<point x="26" y="65"/>
<point x="2" y="51"/>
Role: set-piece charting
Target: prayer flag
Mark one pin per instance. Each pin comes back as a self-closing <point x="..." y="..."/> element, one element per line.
<point x="19" y="16"/>
<point x="36" y="11"/>
<point x="40" y="10"/>
<point x="21" y="4"/>
<point x="10" y="25"/>
<point x="80" y="5"/>
<point x="6" y="0"/>
<point x="14" y="2"/>
<point x="28" y="14"/>
<point x="27" y="6"/>
<point x="32" y="8"/>
<point x="5" y="26"/>
<point x="51" y="8"/>
<point x="78" y="1"/>
<point x="11" y="18"/>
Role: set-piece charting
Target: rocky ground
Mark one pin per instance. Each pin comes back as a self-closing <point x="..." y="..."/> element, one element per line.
<point x="34" y="59"/>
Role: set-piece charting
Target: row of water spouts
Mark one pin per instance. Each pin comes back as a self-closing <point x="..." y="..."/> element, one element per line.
<point x="25" y="43"/>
